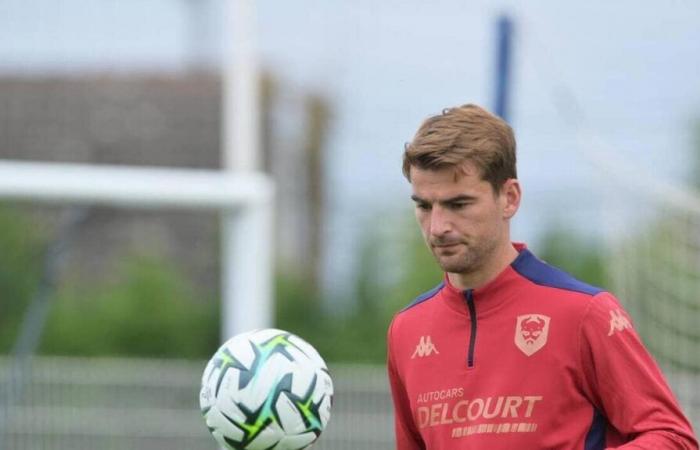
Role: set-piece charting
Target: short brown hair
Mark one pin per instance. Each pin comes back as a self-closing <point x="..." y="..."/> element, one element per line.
<point x="466" y="133"/>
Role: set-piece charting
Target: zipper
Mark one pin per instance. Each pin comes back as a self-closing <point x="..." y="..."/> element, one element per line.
<point x="469" y="295"/>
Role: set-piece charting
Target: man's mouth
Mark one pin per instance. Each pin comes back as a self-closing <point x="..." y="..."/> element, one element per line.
<point x="446" y="245"/>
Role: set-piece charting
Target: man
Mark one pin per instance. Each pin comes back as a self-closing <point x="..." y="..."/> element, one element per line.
<point x="509" y="352"/>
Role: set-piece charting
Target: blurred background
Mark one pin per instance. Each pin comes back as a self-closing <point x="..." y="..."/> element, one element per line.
<point x="604" y="100"/>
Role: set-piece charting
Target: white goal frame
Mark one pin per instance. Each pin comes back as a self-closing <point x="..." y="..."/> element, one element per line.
<point x="241" y="191"/>
<point x="244" y="199"/>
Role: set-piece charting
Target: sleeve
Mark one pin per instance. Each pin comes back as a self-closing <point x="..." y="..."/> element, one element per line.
<point x="625" y="382"/>
<point x="407" y="436"/>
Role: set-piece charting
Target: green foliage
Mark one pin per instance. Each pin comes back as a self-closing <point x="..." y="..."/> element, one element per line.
<point x="300" y="311"/>
<point x="574" y="254"/>
<point x="695" y="162"/>
<point x="381" y="291"/>
<point x="353" y="337"/>
<point x="297" y="310"/>
<point x="149" y="311"/>
<point x="20" y="262"/>
<point x="662" y="292"/>
<point x="420" y="271"/>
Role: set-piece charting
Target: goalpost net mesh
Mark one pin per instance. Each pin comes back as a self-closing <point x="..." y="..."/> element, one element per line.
<point x="653" y="232"/>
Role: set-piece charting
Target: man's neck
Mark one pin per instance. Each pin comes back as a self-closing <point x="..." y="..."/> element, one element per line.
<point x="501" y="259"/>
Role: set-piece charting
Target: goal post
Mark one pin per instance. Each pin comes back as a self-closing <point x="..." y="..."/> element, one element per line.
<point x="244" y="199"/>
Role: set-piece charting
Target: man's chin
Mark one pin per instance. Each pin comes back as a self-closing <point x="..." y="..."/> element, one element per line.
<point x="451" y="265"/>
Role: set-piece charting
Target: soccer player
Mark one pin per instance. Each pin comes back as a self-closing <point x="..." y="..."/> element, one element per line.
<point x="508" y="352"/>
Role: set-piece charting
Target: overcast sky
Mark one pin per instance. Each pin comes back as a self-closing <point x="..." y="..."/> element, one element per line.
<point x="626" y="72"/>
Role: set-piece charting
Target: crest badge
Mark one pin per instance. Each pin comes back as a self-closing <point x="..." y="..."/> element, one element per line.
<point x="531" y="332"/>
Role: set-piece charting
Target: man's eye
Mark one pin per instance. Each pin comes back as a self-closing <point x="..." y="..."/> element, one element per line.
<point x="423" y="206"/>
<point x="458" y="205"/>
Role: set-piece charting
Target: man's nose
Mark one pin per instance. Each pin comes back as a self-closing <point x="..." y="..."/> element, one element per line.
<point x="440" y="222"/>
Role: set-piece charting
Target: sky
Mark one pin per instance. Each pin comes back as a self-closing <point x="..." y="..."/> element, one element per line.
<point x="622" y="73"/>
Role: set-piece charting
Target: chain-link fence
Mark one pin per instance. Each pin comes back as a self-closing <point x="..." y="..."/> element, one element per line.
<point x="129" y="404"/>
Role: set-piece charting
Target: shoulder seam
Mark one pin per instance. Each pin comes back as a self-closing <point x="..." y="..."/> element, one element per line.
<point x="593" y="292"/>
<point x="535" y="270"/>
<point x="424" y="297"/>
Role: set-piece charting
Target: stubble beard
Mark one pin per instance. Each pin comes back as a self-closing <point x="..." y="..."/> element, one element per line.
<point x="469" y="259"/>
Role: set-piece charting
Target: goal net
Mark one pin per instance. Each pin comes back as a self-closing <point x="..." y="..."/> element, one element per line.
<point x="653" y="233"/>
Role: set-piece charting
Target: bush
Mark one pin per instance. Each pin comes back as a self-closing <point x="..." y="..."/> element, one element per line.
<point x="574" y="254"/>
<point x="20" y="268"/>
<point x="150" y="311"/>
<point x="359" y="335"/>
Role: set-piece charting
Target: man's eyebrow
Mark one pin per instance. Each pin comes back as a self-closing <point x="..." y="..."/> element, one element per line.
<point x="458" y="198"/>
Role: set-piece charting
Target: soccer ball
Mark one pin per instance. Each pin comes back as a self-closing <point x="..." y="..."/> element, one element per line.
<point x="266" y="390"/>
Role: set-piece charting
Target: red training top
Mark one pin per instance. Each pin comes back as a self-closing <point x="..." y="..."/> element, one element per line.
<point x="535" y="359"/>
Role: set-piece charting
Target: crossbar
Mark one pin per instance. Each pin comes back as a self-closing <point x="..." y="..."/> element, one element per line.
<point x="132" y="186"/>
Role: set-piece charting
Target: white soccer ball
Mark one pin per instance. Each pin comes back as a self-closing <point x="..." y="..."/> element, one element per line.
<point x="266" y="390"/>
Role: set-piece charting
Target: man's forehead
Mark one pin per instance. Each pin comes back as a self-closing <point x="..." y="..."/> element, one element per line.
<point x="451" y="178"/>
<point x="466" y="169"/>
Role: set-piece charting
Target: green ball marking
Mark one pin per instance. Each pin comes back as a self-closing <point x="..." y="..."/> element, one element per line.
<point x="310" y="412"/>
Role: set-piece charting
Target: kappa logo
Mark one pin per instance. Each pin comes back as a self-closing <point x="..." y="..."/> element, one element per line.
<point x="425" y="347"/>
<point x="618" y="322"/>
<point x="531" y="331"/>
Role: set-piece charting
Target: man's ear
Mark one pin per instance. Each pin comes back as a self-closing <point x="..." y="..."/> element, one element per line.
<point x="510" y="196"/>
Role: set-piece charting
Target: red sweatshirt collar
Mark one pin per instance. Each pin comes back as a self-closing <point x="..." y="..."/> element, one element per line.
<point x="489" y="295"/>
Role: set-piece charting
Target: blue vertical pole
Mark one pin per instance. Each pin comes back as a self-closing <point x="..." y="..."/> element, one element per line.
<point x="504" y="36"/>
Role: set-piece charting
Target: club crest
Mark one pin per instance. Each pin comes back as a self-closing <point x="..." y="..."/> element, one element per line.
<point x="531" y="332"/>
